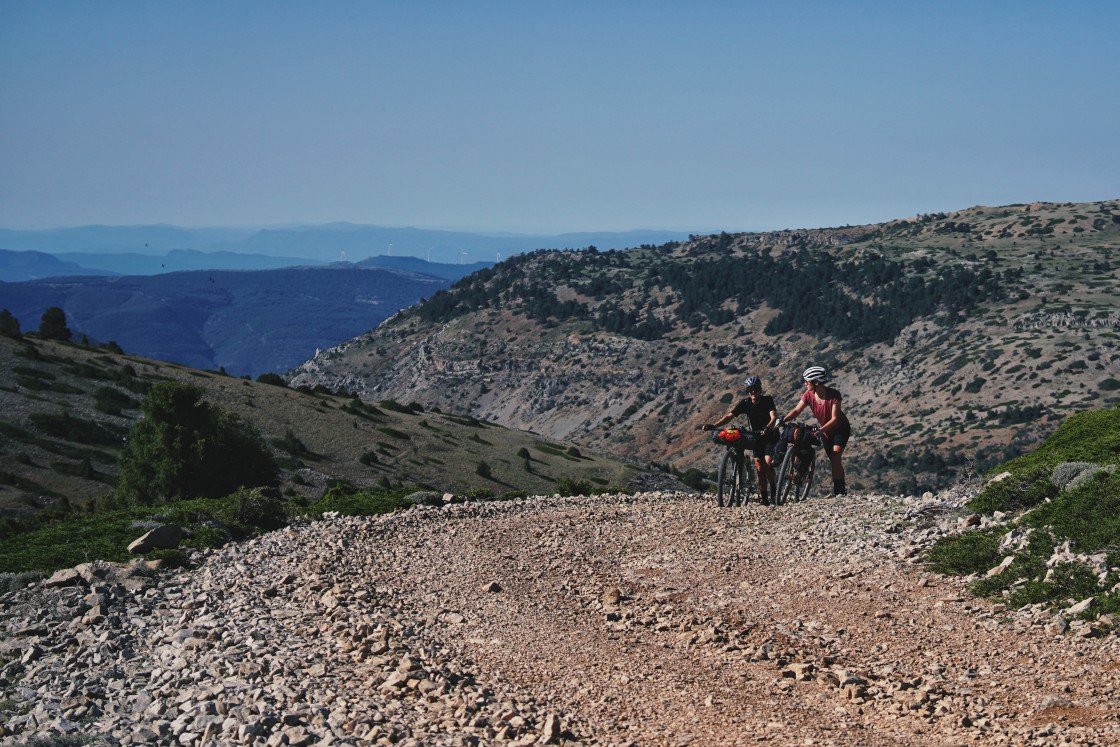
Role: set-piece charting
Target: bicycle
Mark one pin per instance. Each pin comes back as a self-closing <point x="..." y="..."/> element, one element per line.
<point x="736" y="480"/>
<point x="798" y="464"/>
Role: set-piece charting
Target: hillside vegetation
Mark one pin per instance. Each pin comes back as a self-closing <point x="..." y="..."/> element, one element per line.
<point x="959" y="340"/>
<point x="1051" y="528"/>
<point x="66" y="411"/>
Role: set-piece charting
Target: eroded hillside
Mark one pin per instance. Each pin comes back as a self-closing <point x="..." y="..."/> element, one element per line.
<point x="957" y="339"/>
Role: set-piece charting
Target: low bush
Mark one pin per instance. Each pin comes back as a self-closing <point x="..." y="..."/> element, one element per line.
<point x="1068" y="491"/>
<point x="567" y="486"/>
<point x="349" y="502"/>
<point x="965" y="554"/>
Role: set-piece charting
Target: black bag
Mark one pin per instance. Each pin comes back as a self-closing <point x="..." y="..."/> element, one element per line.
<point x="799" y="435"/>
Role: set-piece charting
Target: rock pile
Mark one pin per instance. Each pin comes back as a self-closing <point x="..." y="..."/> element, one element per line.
<point x="649" y="619"/>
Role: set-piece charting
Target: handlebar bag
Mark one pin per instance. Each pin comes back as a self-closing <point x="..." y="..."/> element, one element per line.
<point x="742" y="439"/>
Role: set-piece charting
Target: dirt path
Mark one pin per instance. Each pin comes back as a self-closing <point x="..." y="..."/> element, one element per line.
<point x="655" y="619"/>
<point x="663" y="620"/>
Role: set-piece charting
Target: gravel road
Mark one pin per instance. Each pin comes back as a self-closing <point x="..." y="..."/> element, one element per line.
<point x="655" y="619"/>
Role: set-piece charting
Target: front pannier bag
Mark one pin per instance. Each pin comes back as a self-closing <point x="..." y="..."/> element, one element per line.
<point x="737" y="437"/>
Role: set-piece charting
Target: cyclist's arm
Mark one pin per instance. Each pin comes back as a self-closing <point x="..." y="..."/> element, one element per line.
<point x="795" y="411"/>
<point x="773" y="419"/>
<point x="725" y="419"/>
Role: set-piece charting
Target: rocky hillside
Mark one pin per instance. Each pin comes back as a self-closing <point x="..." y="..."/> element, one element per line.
<point x="957" y="339"/>
<point x="652" y="619"/>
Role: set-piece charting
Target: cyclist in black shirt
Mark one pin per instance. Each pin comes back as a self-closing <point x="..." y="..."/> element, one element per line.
<point x="760" y="411"/>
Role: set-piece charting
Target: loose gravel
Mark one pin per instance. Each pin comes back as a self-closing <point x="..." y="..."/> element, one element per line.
<point x="654" y="619"/>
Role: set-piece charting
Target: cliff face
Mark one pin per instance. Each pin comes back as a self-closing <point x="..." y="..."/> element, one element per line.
<point x="536" y="344"/>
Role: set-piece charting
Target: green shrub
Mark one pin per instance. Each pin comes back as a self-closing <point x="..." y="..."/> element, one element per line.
<point x="79" y="430"/>
<point x="694" y="479"/>
<point x="15" y="581"/>
<point x="1087" y="515"/>
<point x="111" y="401"/>
<point x="1086" y="437"/>
<point x="567" y="486"/>
<point x="1015" y="493"/>
<point x="965" y="554"/>
<point x="273" y="379"/>
<point x="354" y="503"/>
<point x="256" y="508"/>
<point x="1066" y="472"/>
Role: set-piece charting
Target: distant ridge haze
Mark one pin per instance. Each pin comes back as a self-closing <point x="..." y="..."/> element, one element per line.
<point x="324" y="243"/>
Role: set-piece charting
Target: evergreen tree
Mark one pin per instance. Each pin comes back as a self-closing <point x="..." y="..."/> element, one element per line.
<point x="9" y="325"/>
<point x="184" y="447"/>
<point x="53" y="325"/>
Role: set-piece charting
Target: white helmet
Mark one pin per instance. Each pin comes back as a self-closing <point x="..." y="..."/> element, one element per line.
<point x="814" y="373"/>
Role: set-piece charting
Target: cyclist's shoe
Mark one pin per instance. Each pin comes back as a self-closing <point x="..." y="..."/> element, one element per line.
<point x="838" y="489"/>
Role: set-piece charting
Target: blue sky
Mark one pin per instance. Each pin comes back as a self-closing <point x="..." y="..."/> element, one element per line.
<point x="548" y="116"/>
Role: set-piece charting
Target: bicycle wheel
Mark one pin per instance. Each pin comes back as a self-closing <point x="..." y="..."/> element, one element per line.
<point x="749" y="483"/>
<point x="785" y="479"/>
<point x="727" y="481"/>
<point x="807" y="481"/>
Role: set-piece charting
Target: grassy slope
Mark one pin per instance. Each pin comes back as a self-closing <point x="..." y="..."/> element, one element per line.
<point x="329" y="435"/>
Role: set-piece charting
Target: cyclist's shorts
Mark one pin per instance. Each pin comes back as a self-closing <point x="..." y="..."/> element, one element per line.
<point x="766" y="444"/>
<point x="839" y="438"/>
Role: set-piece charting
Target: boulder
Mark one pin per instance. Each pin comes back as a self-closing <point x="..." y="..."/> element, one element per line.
<point x="424" y="498"/>
<point x="166" y="537"/>
<point x="64" y="577"/>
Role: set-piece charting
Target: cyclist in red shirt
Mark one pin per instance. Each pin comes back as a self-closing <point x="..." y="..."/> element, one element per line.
<point x="835" y="430"/>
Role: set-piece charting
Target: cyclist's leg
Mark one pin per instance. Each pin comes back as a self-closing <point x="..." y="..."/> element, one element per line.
<point x="834" y="448"/>
<point x="760" y="473"/>
<point x="768" y="463"/>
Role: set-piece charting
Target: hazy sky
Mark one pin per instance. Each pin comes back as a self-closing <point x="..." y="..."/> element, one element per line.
<point x="551" y="116"/>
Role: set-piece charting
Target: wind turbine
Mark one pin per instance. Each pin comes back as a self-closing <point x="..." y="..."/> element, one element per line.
<point x="461" y="255"/>
<point x="390" y="249"/>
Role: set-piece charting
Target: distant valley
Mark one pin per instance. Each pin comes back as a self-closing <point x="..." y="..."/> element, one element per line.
<point x="245" y="322"/>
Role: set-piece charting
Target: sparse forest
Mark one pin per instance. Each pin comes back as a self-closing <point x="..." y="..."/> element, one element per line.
<point x="647" y="295"/>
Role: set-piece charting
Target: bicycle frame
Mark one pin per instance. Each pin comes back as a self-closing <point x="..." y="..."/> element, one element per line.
<point x="736" y="478"/>
<point x="797" y="470"/>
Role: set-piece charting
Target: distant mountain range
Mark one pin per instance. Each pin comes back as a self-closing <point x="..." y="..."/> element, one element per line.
<point x="149" y="250"/>
<point x="247" y="322"/>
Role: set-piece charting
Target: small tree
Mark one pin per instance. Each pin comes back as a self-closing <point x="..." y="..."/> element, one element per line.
<point x="53" y="325"/>
<point x="9" y="325"/>
<point x="183" y="447"/>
